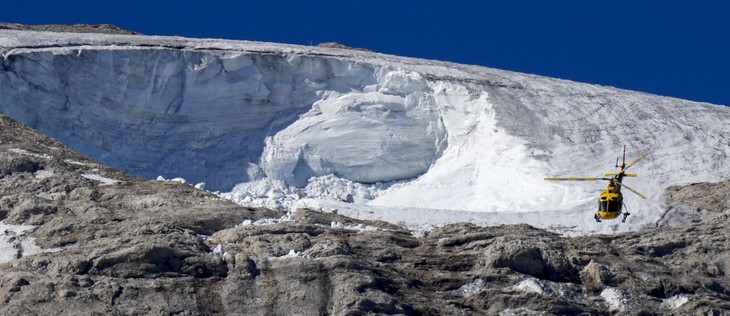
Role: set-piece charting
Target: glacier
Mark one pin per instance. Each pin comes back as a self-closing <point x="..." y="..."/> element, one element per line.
<point x="412" y="141"/>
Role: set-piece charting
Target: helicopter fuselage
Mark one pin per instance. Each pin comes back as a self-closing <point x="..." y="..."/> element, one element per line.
<point x="610" y="202"/>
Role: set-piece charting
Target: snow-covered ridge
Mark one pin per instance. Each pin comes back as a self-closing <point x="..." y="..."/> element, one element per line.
<point x="441" y="135"/>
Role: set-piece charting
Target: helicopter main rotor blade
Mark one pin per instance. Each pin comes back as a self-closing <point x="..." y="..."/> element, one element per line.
<point x="576" y="179"/>
<point x="633" y="162"/>
<point x="632" y="190"/>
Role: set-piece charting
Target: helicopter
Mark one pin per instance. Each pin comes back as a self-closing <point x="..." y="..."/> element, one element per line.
<point x="611" y="201"/>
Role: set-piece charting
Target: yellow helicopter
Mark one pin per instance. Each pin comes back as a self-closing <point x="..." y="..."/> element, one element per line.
<point x="611" y="201"/>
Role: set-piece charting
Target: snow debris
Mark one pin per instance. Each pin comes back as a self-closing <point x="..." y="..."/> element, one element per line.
<point x="469" y="289"/>
<point x="420" y="233"/>
<point x="549" y="288"/>
<point x="218" y="250"/>
<point x="199" y="185"/>
<point x="14" y="243"/>
<point x="102" y="179"/>
<point x="74" y="162"/>
<point x="532" y="285"/>
<point x="181" y="180"/>
<point x="292" y="254"/>
<point x="360" y="227"/>
<point x="675" y="301"/>
<point x="617" y="299"/>
<point x="43" y="174"/>
<point x="289" y="217"/>
<point x="27" y="153"/>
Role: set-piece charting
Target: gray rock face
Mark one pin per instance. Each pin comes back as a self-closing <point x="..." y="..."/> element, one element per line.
<point x="114" y="244"/>
<point x="712" y="197"/>
<point x="695" y="202"/>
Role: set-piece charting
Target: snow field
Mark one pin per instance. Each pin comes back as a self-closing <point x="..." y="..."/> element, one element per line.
<point x="13" y="239"/>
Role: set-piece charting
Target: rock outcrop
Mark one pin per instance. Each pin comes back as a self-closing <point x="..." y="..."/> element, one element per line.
<point x="712" y="197"/>
<point x="107" y="243"/>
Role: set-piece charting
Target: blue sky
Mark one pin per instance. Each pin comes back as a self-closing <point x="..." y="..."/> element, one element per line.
<point x="672" y="48"/>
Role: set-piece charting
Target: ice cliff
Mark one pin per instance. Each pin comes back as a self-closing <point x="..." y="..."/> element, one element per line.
<point x="442" y="135"/>
<point x="227" y="117"/>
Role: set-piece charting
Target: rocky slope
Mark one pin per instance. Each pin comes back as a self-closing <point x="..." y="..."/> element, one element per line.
<point x="114" y="244"/>
<point x="76" y="28"/>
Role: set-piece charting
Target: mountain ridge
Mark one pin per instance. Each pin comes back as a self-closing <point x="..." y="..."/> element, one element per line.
<point x="84" y="238"/>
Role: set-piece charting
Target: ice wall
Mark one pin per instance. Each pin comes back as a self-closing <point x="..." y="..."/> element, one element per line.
<point x="223" y="118"/>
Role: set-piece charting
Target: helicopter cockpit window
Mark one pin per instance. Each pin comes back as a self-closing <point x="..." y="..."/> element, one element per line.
<point x="602" y="206"/>
<point x="613" y="206"/>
